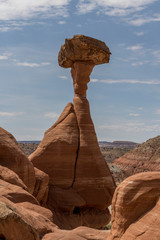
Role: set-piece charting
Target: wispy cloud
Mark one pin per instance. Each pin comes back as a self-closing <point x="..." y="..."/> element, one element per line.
<point x="135" y="47"/>
<point x="131" y="127"/>
<point x="21" y="9"/>
<point x="140" y="33"/>
<point x="63" y="77"/>
<point x="114" y="7"/>
<point x="134" y="114"/>
<point x="62" y="22"/>
<point x="128" y="81"/>
<point x="141" y="20"/>
<point x="52" y="115"/>
<point x="32" y="65"/>
<point x="5" y="56"/>
<point x="10" y="114"/>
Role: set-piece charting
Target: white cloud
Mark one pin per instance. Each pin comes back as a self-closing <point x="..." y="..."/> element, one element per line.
<point x="22" y="9"/>
<point x="113" y="7"/>
<point x="128" y="81"/>
<point x="52" y="115"/>
<point x="62" y="22"/>
<point x="140" y="108"/>
<point x="134" y="114"/>
<point x="141" y="20"/>
<point x="132" y="127"/>
<point x="135" y="47"/>
<point x="63" y="77"/>
<point x="3" y="57"/>
<point x="32" y="65"/>
<point x="139" y="33"/>
<point x="10" y="114"/>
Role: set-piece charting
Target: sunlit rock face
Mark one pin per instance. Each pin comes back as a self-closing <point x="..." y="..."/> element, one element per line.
<point x="136" y="208"/>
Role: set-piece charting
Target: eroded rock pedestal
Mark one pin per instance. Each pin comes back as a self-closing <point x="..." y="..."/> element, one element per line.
<point x="81" y="186"/>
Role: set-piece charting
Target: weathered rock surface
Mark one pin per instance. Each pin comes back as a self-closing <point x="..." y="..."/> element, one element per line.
<point x="136" y="208"/>
<point x="11" y="177"/>
<point x="83" y="48"/>
<point x="12" y="157"/>
<point x="13" y="226"/>
<point x="80" y="233"/>
<point x="80" y="186"/>
<point x="24" y="209"/>
<point x="41" y="187"/>
<point x="145" y="157"/>
<point x="56" y="154"/>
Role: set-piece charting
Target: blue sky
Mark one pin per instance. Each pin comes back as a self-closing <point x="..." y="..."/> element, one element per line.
<point x="124" y="95"/>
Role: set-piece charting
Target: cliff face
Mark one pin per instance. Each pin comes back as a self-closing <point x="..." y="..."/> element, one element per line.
<point x="145" y="157"/>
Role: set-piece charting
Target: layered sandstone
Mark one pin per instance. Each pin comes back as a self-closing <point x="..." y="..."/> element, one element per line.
<point x="136" y="208"/>
<point x="80" y="186"/>
<point x="145" y="157"/>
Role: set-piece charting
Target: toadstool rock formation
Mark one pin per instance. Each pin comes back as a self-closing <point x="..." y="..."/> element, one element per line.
<point x="81" y="186"/>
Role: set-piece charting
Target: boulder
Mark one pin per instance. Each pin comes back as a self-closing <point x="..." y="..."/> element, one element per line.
<point x="83" y="48"/>
<point x="12" y="157"/>
<point x="24" y="209"/>
<point x="11" y="177"/>
<point x="136" y="208"/>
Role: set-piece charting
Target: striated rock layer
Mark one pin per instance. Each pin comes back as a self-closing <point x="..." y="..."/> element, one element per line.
<point x="80" y="186"/>
<point x="136" y="208"/>
<point x="145" y="157"/>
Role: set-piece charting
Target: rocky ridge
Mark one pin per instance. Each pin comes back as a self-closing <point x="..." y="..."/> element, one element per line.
<point x="145" y="157"/>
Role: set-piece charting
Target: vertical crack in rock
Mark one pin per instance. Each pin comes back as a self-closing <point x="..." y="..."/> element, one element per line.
<point x="77" y="154"/>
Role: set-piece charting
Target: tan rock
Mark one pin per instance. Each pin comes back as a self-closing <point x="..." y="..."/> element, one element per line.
<point x="80" y="233"/>
<point x="83" y="48"/>
<point x="136" y="208"/>
<point x="12" y="157"/>
<point x="41" y="187"/>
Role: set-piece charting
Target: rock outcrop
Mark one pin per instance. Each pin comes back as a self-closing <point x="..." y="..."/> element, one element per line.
<point x="12" y="157"/>
<point x="145" y="157"/>
<point x="80" y="186"/>
<point x="136" y="208"/>
<point x="80" y="233"/>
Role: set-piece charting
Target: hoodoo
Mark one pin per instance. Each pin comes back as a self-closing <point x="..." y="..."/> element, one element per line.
<point x="81" y="185"/>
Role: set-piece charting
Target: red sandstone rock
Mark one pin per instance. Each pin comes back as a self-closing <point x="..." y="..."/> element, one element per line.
<point x="11" y="177"/>
<point x="12" y="157"/>
<point x="56" y="154"/>
<point x="13" y="226"/>
<point x="81" y="186"/>
<point x="136" y="208"/>
<point x="41" y="186"/>
<point x="80" y="233"/>
<point x="22" y="204"/>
